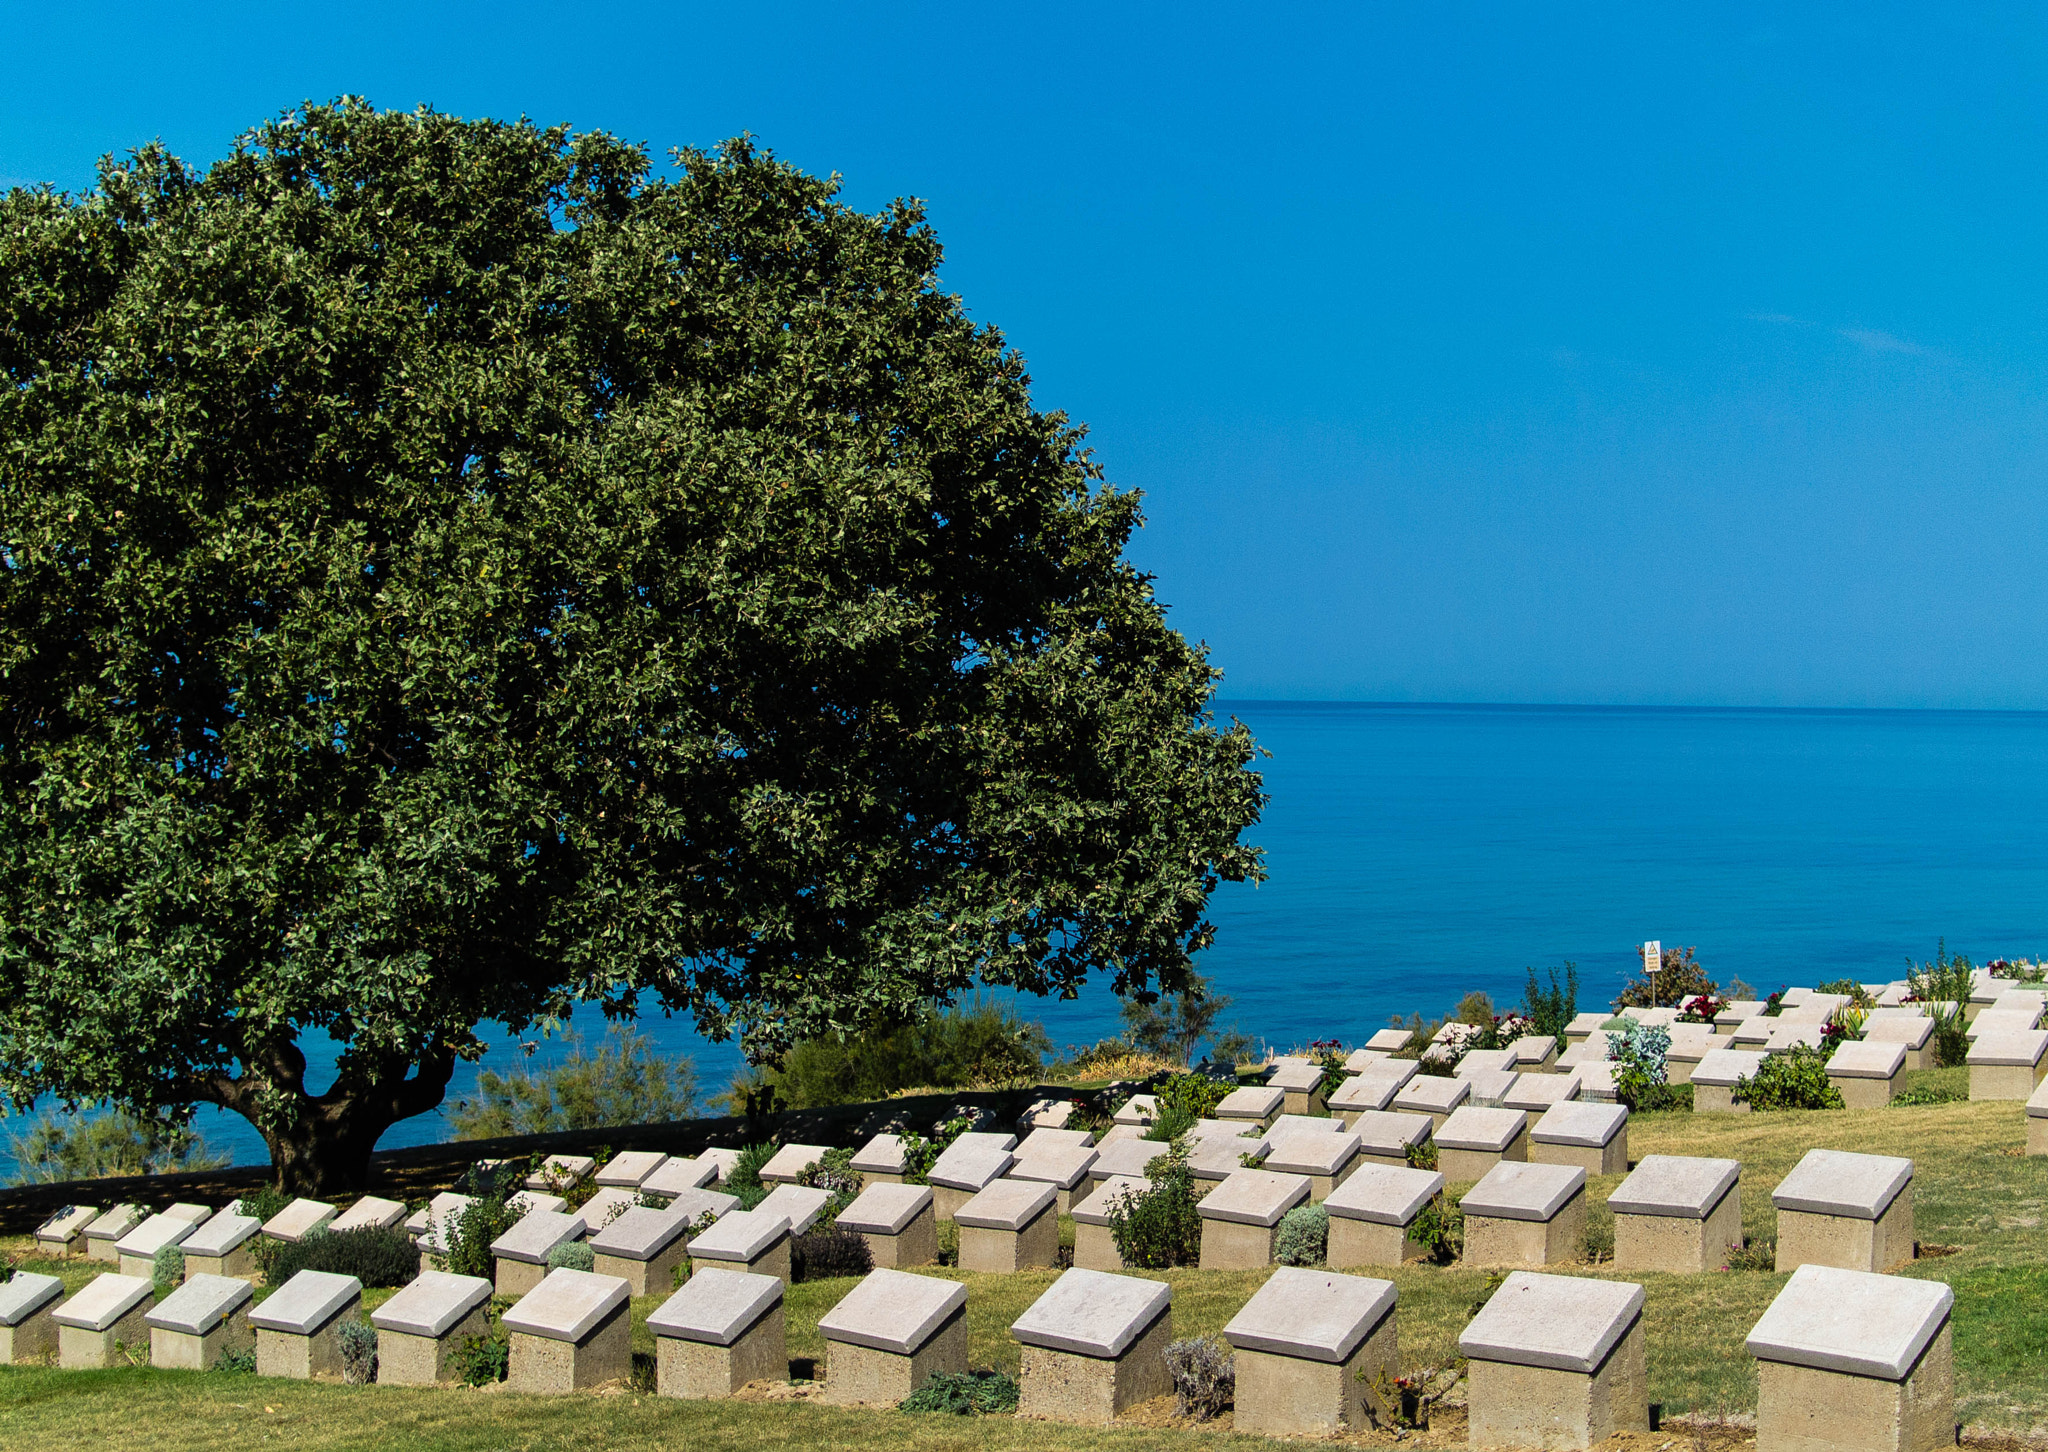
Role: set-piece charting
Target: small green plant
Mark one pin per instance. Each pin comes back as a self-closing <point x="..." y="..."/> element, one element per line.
<point x="645" y="1377"/>
<point x="1303" y="1236"/>
<point x="1549" y="1008"/>
<point x="1849" y="988"/>
<point x="1204" y="1372"/>
<point x="835" y="1175"/>
<point x="1795" y="1080"/>
<point x="1159" y="1227"/>
<point x="1638" y="1052"/>
<point x="825" y="1252"/>
<point x="1422" y="1156"/>
<point x="1760" y="1254"/>
<point x="482" y="1360"/>
<point x="166" y="1268"/>
<point x="1183" y="1100"/>
<point x="373" y="1256"/>
<point x="358" y="1352"/>
<point x="576" y="1255"/>
<point x="466" y="1236"/>
<point x="920" y="1153"/>
<point x="1653" y="1097"/>
<point x="744" y="1178"/>
<point x="1935" y="1093"/>
<point x="1945" y="986"/>
<point x="1439" y="1228"/>
<point x="238" y="1363"/>
<point x="965" y="1394"/>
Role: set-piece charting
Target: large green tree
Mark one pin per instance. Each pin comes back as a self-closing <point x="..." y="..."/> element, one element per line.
<point x="453" y="571"/>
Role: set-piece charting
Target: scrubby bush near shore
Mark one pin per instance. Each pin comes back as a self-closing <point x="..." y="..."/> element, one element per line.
<point x="984" y="1044"/>
<point x="374" y="1256"/>
<point x="622" y="1081"/>
<point x="1159" y="1227"/>
<point x="1794" y="1080"/>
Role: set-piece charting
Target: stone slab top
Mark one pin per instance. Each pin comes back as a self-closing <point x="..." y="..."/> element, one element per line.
<point x="372" y="1212"/>
<point x="441" y="1209"/>
<point x="103" y="1300"/>
<point x="886" y="1209"/>
<point x="1245" y="1133"/>
<point x="1432" y="1094"/>
<point x="1721" y="1068"/>
<point x="1360" y="1058"/>
<point x="1565" y="1323"/>
<point x="1296" y="1077"/>
<point x="1384" y="1194"/>
<point x="2037" y="1102"/>
<point x="1253" y="1101"/>
<point x="307" y="1302"/>
<point x="1138" y="1109"/>
<point x="631" y="1168"/>
<point x="1586" y="1023"/>
<point x="790" y="1161"/>
<point x="743" y="1235"/>
<point x="2023" y="1000"/>
<point x="717" y="1306"/>
<point x="724" y="1158"/>
<point x="971" y="1166"/>
<point x="1219" y="1159"/>
<point x="800" y="1205"/>
<point x="642" y="1233"/>
<point x="1318" y="1315"/>
<point x="606" y="1206"/>
<point x="153" y="1234"/>
<point x="201" y="1304"/>
<point x="298" y="1220"/>
<point x="1896" y="1013"/>
<point x="431" y="1304"/>
<point x="1479" y="1061"/>
<point x="1486" y="1130"/>
<point x="1093" y="1313"/>
<point x="1389" y="1040"/>
<point x="894" y="1311"/>
<point x="1596" y="1082"/>
<point x="528" y="1201"/>
<point x="1851" y="1321"/>
<point x="1515" y="1190"/>
<point x="1255" y="1197"/>
<point x="1398" y="1070"/>
<point x="1681" y="1187"/>
<point x="1065" y="1165"/>
<point x="987" y="1139"/>
<point x="1126" y="1157"/>
<point x="1095" y="1209"/>
<point x="68" y="1222"/>
<point x="1364" y="1092"/>
<point x="1868" y="1059"/>
<point x="190" y="1213"/>
<point x="1911" y="1030"/>
<point x="568" y="1304"/>
<point x="1007" y="1205"/>
<point x="1579" y="1122"/>
<point x="1313" y="1154"/>
<point x="2019" y="1047"/>
<point x="698" y="1203"/>
<point x="1835" y="1182"/>
<point x="2003" y="1020"/>
<point x="1491" y="1086"/>
<point x="882" y="1155"/>
<point x="679" y="1173"/>
<point x="1386" y="1133"/>
<point x="1789" y="1034"/>
<point x="537" y="1233"/>
<point x="1535" y="1093"/>
<point x="1756" y="1030"/>
<point x="560" y="1169"/>
<point x="1533" y="1049"/>
<point x="223" y="1235"/>
<point x="26" y="1293"/>
<point x="1291" y="1124"/>
<point x="1046" y="1112"/>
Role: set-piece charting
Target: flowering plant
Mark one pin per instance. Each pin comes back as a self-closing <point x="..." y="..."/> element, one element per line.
<point x="1704" y="1008"/>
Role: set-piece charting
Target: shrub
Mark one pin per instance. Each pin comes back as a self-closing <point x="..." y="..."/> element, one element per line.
<point x="481" y="1360"/>
<point x="1856" y="993"/>
<point x="920" y="1154"/>
<point x="1303" y="1237"/>
<point x="1174" y="1025"/>
<point x="1183" y="1099"/>
<point x="1422" y="1156"/>
<point x="745" y="1175"/>
<point x="1204" y="1376"/>
<point x="1653" y="1097"/>
<point x="835" y="1175"/>
<point x="1550" y="1008"/>
<point x="1439" y="1228"/>
<point x="238" y="1362"/>
<point x="1678" y="979"/>
<point x="827" y="1251"/>
<point x="373" y="1256"/>
<point x="983" y="1044"/>
<point x="97" y="1146"/>
<point x="963" y="1394"/>
<point x="1704" y="1008"/>
<point x="1638" y="1054"/>
<point x="622" y="1081"/>
<point x="466" y="1237"/>
<point x="1158" y="1227"/>
<point x="1798" y="1080"/>
<point x="358" y="1352"/>
<point x="167" y="1268"/>
<point x="576" y="1255"/>
<point x="1950" y="981"/>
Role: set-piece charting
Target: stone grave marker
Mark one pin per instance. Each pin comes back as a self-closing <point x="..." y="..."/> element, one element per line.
<point x="1326" y="1159"/>
<point x="881" y="1161"/>
<point x="677" y="1174"/>
<point x="224" y="1246"/>
<point x="800" y="1205"/>
<point x="1301" y="1084"/>
<point x="1252" y="1104"/>
<point x="421" y="1329"/>
<point x="721" y="1330"/>
<point x="1714" y="1079"/>
<point x="788" y="1164"/>
<point x="1012" y="1225"/>
<point x="206" y="1317"/>
<point x="1065" y="1167"/>
<point x="2008" y="1064"/>
<point x="137" y="1249"/>
<point x="1677" y="1214"/>
<point x="1388" y="1137"/>
<point x="1851" y="1211"/>
<point x="298" y="1220"/>
<point x="1556" y="1361"/>
<point x="369" y="1213"/>
<point x="573" y="1330"/>
<point x="746" y="1240"/>
<point x="890" y="1335"/>
<point x="1867" y="1073"/>
<point x="520" y="1256"/>
<point x="643" y="1248"/>
<point x="897" y="1222"/>
<point x="1309" y="1347"/>
<point x="28" y="1324"/>
<point x="1912" y="1032"/>
<point x="559" y="1172"/>
<point x="1094" y="1347"/>
<point x="629" y="1170"/>
<point x="1433" y="1095"/>
<point x="1362" y="1094"/>
<point x="1591" y="1136"/>
<point x="298" y="1329"/>
<point x="1526" y="1214"/>
<point x="1533" y="1094"/>
<point x="63" y="1234"/>
<point x="963" y="1171"/>
<point x="1471" y="1141"/>
<point x="1241" y="1217"/>
<point x="106" y="1314"/>
<point x="1372" y="1215"/>
<point x="1094" y="1241"/>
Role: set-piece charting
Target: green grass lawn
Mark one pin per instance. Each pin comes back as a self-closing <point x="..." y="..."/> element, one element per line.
<point x="1975" y="1194"/>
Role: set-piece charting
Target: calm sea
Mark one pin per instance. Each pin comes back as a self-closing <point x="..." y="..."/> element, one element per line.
<point x="1418" y="851"/>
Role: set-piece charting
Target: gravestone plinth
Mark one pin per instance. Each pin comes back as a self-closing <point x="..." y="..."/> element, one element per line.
<point x="1094" y="1346"/>
<point x="1301" y="1086"/>
<point x="724" y="1159"/>
<point x="1715" y="1077"/>
<point x="559" y="1172"/>
<point x="136" y="1251"/>
<point x="1849" y="1361"/>
<point x="787" y="1165"/>
<point x="1241" y="1217"/>
<point x="106" y="1315"/>
<point x="28" y="1323"/>
<point x="1592" y="1136"/>
<point x="679" y="1174"/>
<point x="1013" y="1225"/>
<point x="1914" y="1033"/>
<point x="631" y="1169"/>
<point x="1522" y="1214"/>
<point x="1850" y="1211"/>
<point x="573" y="1330"/>
<point x="1139" y="1109"/>
<point x="1310" y="1347"/>
<point x="1067" y="1167"/>
<point x="198" y="1323"/>
<point x="1471" y="1141"/>
<point x="1583" y="1026"/>
<point x="1534" y="1094"/>
<point x="298" y="1220"/>
<point x="964" y="1171"/>
<point x="1533" y="1054"/>
<point x="883" y="1160"/>
<point x="801" y="1205"/>
<point x="1389" y="1138"/>
<point x="1433" y="1095"/>
<point x="1372" y="1215"/>
<point x="1122" y="1159"/>
<point x="520" y="1256"/>
<point x="1491" y="1087"/>
<point x="1094" y="1242"/>
<point x="897" y="1222"/>
<point x="438" y="1224"/>
<point x="746" y="1240"/>
<point x="890" y="1335"/>
<point x="1556" y="1362"/>
<point x="1677" y="1214"/>
<point x="420" y="1330"/>
<point x="1327" y="1160"/>
<point x="63" y="1234"/>
<point x="2037" y="1121"/>
<point x="298" y="1329"/>
<point x="1388" y="1040"/>
<point x="1867" y="1073"/>
<point x="1362" y="1094"/>
<point x="1486" y="1061"/>
<point x="644" y="1248"/>
<point x="2008" y="1064"/>
<point x="721" y="1330"/>
<point x="1046" y="1113"/>
<point x="1253" y="1104"/>
<point x="372" y="1212"/>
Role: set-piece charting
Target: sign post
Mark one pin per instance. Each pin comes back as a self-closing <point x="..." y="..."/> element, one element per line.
<point x="1653" y="959"/>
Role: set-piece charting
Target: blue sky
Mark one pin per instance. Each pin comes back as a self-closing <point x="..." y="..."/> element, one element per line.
<point x="1464" y="353"/>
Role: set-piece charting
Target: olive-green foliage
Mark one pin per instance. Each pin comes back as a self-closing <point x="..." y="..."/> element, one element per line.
<point x="1303" y="1237"/>
<point x="1679" y="978"/>
<point x="374" y="1256"/>
<point x="99" y="1146"/>
<point x="1550" y="1007"/>
<point x="984" y="1043"/>
<point x="576" y="1255"/>
<point x="1439" y="1228"/>
<point x="921" y="1153"/>
<point x="454" y="571"/>
<point x="1158" y="1227"/>
<point x="1183" y="1099"/>
<point x="1795" y="1080"/>
<point x="166" y="1268"/>
<point x="481" y="1360"/>
<point x="744" y="1178"/>
<point x="964" y="1393"/>
<point x="622" y="1081"/>
<point x="469" y="1232"/>
<point x="1945" y="981"/>
<point x="1176" y="1024"/>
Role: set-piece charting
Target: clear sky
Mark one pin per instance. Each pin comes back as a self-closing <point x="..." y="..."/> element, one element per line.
<point x="1520" y="353"/>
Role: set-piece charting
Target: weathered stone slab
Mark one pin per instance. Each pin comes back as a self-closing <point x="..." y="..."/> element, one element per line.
<point x="298" y="1220"/>
<point x="1915" y="1033"/>
<point x="2003" y="1021"/>
<point x="1254" y="1102"/>
<point x="746" y="1240"/>
<point x="369" y="1213"/>
<point x="1010" y="1226"/>
<point x="1433" y="1095"/>
<point x="898" y="1223"/>
<point x="1389" y="1040"/>
<point x="721" y="1330"/>
<point x="1715" y="1077"/>
<point x="1556" y="1361"/>
<point x="199" y="1322"/>
<point x="1491" y="1086"/>
<point x="520" y="1255"/>
<point x="677" y="1175"/>
<point x="1866" y="1072"/>
<point x="1677" y="1214"/>
<point x="890" y="1335"/>
<point x="882" y="1160"/>
<point x="1592" y="1136"/>
<point x="787" y="1164"/>
<point x="629" y="1170"/>
<point x="108" y="1310"/>
<point x="1241" y="1216"/>
<point x="28" y="1322"/>
<point x="2007" y="1064"/>
<point x="1307" y="1347"/>
<point x="800" y="1205"/>
<point x="560" y="1171"/>
<point x="1362" y="1094"/>
<point x="571" y="1331"/>
<point x="420" y="1330"/>
<point x="1093" y="1347"/>
<point x="1094" y="1243"/>
<point x="1325" y="1159"/>
<point x="1139" y="1109"/>
<point x="725" y="1159"/>
<point x="298" y="1328"/>
<point x="1046" y="1112"/>
<point x="1066" y="1167"/>
<point x="643" y="1247"/>
<point x="64" y="1232"/>
<point x="1524" y="1214"/>
<point x="1372" y="1214"/>
<point x="137" y="1249"/>
<point x="1480" y="1061"/>
<point x="964" y="1171"/>
<point x="1471" y="1141"/>
<point x="1389" y="1137"/>
<point x="1850" y="1211"/>
<point x="1535" y="1093"/>
<point x="1534" y="1054"/>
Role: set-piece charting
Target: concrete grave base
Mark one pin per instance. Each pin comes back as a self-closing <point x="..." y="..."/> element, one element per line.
<point x="239" y="1263"/>
<point x="182" y="1351"/>
<point x="1091" y="1391"/>
<point x="946" y="1199"/>
<point x="2005" y="1081"/>
<point x="1678" y="1243"/>
<point x="1367" y="1242"/>
<point x="1847" y="1241"/>
<point x="1458" y="1166"/>
<point x="2037" y="1136"/>
<point x="1608" y="1159"/>
<point x="1292" y="1396"/>
<point x="1368" y="1157"/>
<point x="1320" y="1186"/>
<point x="699" y="1371"/>
<point x="1233" y="1245"/>
<point x="1036" y="1245"/>
<point x="1716" y="1099"/>
<point x="54" y="1247"/>
<point x="407" y="1360"/>
<point x="81" y="1350"/>
<point x="1868" y="1093"/>
<point x="31" y="1343"/>
<point x="1095" y="1248"/>
<point x="303" y="1358"/>
<point x="547" y="1367"/>
<point x="881" y="1177"/>
<point x="100" y="1248"/>
<point x="1498" y="1240"/>
<point x="514" y="1278"/>
<point x="1523" y="1407"/>
<point x="916" y="1244"/>
<point x="1300" y="1102"/>
<point x="1805" y="1409"/>
<point x="656" y="1277"/>
<point x="136" y="1265"/>
<point x="858" y="1375"/>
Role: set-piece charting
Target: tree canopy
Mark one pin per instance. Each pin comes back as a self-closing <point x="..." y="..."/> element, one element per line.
<point x="451" y="571"/>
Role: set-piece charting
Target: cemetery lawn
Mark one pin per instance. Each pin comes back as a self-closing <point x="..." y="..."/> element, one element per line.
<point x="1979" y="1204"/>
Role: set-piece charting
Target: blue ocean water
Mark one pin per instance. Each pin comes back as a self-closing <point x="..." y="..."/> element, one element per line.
<point x="1420" y="851"/>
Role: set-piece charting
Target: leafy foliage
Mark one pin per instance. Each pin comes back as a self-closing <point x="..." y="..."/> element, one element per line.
<point x="983" y="1044"/>
<point x="1550" y="1007"/>
<point x="166" y="1268"/>
<point x="452" y="572"/>
<point x="1204" y="1372"/>
<point x="469" y="1232"/>
<point x="1948" y="982"/>
<point x="1439" y="1228"/>
<point x="1184" y="1099"/>
<point x="374" y="1256"/>
<point x="1849" y="988"/>
<point x="1795" y="1080"/>
<point x="744" y="1178"/>
<point x="825" y="1251"/>
<point x="481" y="1360"/>
<point x="1680" y="977"/>
<point x="1174" y="1025"/>
<point x="358" y="1352"/>
<point x="576" y="1255"/>
<point x="921" y="1153"/>
<point x="623" y="1081"/>
<point x="1638" y="1051"/>
<point x="237" y="1362"/>
<point x="1158" y="1227"/>
<point x="102" y="1146"/>
<point x="963" y="1394"/>
<point x="1303" y="1236"/>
